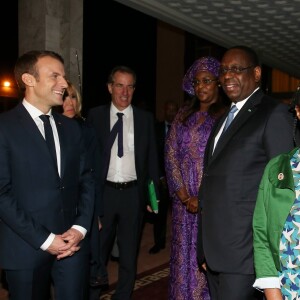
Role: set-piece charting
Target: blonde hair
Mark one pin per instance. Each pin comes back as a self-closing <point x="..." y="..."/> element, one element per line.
<point x="72" y="87"/>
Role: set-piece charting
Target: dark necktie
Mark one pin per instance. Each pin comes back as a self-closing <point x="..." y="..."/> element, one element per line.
<point x="120" y="134"/>
<point x="116" y="130"/>
<point x="49" y="136"/>
<point x="233" y="109"/>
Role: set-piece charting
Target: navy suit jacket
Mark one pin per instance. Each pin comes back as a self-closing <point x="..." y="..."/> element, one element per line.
<point x="34" y="200"/>
<point x="144" y="148"/>
<point x="161" y="137"/>
<point x="261" y="130"/>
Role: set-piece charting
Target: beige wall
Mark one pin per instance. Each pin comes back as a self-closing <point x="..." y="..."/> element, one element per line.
<point x="170" y="66"/>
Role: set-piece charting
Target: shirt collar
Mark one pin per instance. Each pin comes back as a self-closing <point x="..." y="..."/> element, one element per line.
<point x="240" y="104"/>
<point x="126" y="111"/>
<point x="33" y="111"/>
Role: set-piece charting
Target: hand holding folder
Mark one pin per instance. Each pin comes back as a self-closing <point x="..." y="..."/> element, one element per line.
<point x="152" y="196"/>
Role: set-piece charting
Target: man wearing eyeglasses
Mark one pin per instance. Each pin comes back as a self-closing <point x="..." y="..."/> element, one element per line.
<point x="235" y="157"/>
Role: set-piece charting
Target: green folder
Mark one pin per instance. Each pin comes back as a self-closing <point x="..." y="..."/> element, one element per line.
<point x="152" y="196"/>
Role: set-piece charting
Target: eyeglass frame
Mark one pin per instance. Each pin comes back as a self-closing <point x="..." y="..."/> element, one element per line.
<point x="236" y="70"/>
<point x="205" y="81"/>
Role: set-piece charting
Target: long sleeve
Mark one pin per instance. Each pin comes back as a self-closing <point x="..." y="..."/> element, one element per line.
<point x="172" y="159"/>
<point x="184" y="151"/>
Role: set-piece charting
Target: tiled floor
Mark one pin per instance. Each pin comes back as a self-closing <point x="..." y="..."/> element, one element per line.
<point x="146" y="261"/>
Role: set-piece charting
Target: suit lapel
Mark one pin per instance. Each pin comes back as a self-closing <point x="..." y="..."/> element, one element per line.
<point x="32" y="130"/>
<point x="103" y="126"/>
<point x="242" y="117"/>
<point x="62" y="144"/>
<point x="139" y="139"/>
<point x="137" y="129"/>
<point x="106" y="122"/>
<point x="28" y="124"/>
<point x="211" y="139"/>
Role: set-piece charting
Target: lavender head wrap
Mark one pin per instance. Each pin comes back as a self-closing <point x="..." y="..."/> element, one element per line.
<point x="206" y="63"/>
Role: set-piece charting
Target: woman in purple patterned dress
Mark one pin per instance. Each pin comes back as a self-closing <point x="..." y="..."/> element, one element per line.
<point x="184" y="151"/>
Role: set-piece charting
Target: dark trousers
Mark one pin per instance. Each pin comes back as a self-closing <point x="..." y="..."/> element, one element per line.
<point x="122" y="218"/>
<point x="160" y="219"/>
<point x="69" y="277"/>
<point x="97" y="266"/>
<point x="225" y="286"/>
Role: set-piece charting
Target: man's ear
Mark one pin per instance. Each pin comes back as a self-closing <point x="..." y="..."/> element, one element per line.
<point x="257" y="73"/>
<point x="109" y="87"/>
<point x="28" y="79"/>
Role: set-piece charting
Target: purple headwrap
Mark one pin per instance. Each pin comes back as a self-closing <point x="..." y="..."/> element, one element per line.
<point x="207" y="63"/>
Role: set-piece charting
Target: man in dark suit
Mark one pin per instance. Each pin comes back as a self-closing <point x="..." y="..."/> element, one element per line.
<point x="160" y="219"/>
<point x="234" y="162"/>
<point x="125" y="173"/>
<point x="47" y="197"/>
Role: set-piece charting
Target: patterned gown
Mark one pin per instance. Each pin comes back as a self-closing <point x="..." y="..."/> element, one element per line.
<point x="290" y="243"/>
<point x="184" y="151"/>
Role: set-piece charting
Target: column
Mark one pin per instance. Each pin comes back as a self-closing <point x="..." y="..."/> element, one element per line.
<point x="54" y="25"/>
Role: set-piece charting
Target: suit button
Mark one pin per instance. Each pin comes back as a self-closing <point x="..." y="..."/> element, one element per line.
<point x="61" y="187"/>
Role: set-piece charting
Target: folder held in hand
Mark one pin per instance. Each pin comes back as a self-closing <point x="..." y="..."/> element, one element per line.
<point x="152" y="196"/>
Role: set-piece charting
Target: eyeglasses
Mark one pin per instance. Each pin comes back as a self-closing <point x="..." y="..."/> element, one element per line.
<point x="234" y="70"/>
<point x="205" y="81"/>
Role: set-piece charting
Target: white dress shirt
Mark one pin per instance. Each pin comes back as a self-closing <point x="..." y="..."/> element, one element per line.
<point x="122" y="169"/>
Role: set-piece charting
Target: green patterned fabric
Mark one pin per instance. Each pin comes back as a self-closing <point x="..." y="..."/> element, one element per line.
<point x="290" y="242"/>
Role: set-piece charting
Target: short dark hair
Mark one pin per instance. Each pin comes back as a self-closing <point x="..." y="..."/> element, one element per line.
<point x="121" y="69"/>
<point x="251" y="54"/>
<point x="26" y="63"/>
